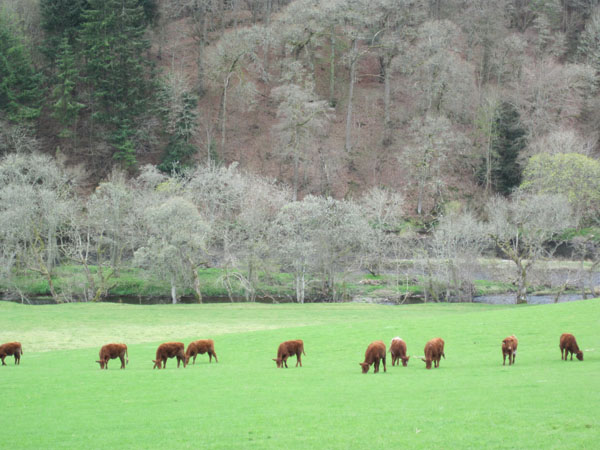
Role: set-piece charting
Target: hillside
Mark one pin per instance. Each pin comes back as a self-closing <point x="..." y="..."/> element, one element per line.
<point x="405" y="95"/>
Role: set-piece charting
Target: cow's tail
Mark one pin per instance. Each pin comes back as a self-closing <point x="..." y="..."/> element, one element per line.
<point x="127" y="354"/>
<point x="444" y="355"/>
<point x="303" y="351"/>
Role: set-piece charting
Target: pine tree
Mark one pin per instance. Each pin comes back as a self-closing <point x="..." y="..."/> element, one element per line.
<point x="509" y="138"/>
<point x="20" y="84"/>
<point x="117" y="71"/>
<point x="60" y="19"/>
<point x="179" y="150"/>
<point x="118" y="74"/>
<point x="66" y="107"/>
<point x="125" y="149"/>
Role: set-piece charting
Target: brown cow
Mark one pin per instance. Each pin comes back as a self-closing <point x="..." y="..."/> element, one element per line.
<point x="375" y="352"/>
<point x="568" y="344"/>
<point x="113" y="351"/>
<point x="287" y="349"/>
<point x="434" y="350"/>
<point x="169" y="350"/>
<point x="398" y="351"/>
<point x="10" y="349"/>
<point x="509" y="347"/>
<point x="201" y="347"/>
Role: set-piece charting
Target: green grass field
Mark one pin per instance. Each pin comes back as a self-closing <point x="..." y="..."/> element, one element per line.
<point x="59" y="398"/>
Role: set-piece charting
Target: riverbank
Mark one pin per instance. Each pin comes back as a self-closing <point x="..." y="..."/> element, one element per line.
<point x="494" y="283"/>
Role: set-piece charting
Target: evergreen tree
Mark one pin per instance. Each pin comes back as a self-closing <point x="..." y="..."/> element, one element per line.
<point x="66" y="107"/>
<point x="508" y="139"/>
<point x="20" y="84"/>
<point x="117" y="71"/>
<point x="59" y="19"/>
<point x="179" y="150"/>
<point x="125" y="149"/>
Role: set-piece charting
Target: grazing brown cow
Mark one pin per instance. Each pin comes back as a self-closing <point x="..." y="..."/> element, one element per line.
<point x="568" y="344"/>
<point x="287" y="349"/>
<point x="9" y="349"/>
<point x="375" y="352"/>
<point x="434" y="350"/>
<point x="169" y="350"/>
<point x="113" y="351"/>
<point x="509" y="348"/>
<point x="398" y="351"/>
<point x="201" y="347"/>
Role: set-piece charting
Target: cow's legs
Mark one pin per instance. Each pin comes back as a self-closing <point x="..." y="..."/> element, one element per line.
<point x="384" y="369"/>
<point x="122" y="358"/>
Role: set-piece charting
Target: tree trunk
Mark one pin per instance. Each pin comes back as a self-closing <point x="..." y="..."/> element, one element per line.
<point x="332" y="101"/>
<point x="354" y="59"/>
<point x="296" y="173"/>
<point x="268" y="43"/>
<point x="173" y="291"/>
<point x="522" y="289"/>
<point x="300" y="285"/>
<point x="224" y="112"/>
<point x="385" y="68"/>
<point x="196" y="278"/>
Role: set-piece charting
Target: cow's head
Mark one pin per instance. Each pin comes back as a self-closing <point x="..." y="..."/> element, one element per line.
<point x="580" y="355"/>
<point x="157" y="364"/>
<point x="405" y="360"/>
<point x="102" y="364"/>
<point x="427" y="362"/>
<point x="365" y="367"/>
<point x="279" y="362"/>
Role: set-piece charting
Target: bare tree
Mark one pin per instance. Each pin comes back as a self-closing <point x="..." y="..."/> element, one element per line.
<point x="429" y="152"/>
<point x="522" y="228"/>
<point x="227" y="64"/>
<point x="458" y="241"/>
<point x="318" y="238"/>
<point x="175" y="247"/>
<point x="35" y="197"/>
<point x="384" y="210"/>
<point x="302" y="119"/>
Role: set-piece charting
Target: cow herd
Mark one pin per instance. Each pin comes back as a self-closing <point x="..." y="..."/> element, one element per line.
<point x="375" y="354"/>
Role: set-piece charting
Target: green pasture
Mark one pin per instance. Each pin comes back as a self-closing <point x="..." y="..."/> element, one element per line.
<point x="59" y="398"/>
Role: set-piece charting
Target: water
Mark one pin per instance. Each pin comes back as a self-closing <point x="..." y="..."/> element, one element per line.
<point x="510" y="298"/>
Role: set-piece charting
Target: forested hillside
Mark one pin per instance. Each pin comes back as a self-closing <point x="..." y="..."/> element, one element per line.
<point x="465" y="115"/>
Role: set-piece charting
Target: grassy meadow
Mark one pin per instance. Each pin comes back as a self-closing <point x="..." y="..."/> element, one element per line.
<point x="59" y="398"/>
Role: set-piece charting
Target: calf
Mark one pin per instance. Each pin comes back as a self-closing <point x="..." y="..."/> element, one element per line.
<point x="398" y="351"/>
<point x="201" y="347"/>
<point x="287" y="349"/>
<point x="112" y="351"/>
<point x="10" y="349"/>
<point x="509" y="348"/>
<point x="568" y="344"/>
<point x="434" y="350"/>
<point x="169" y="350"/>
<point x="375" y="353"/>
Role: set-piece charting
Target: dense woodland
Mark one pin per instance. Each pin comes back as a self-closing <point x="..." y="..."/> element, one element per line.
<point x="313" y="138"/>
